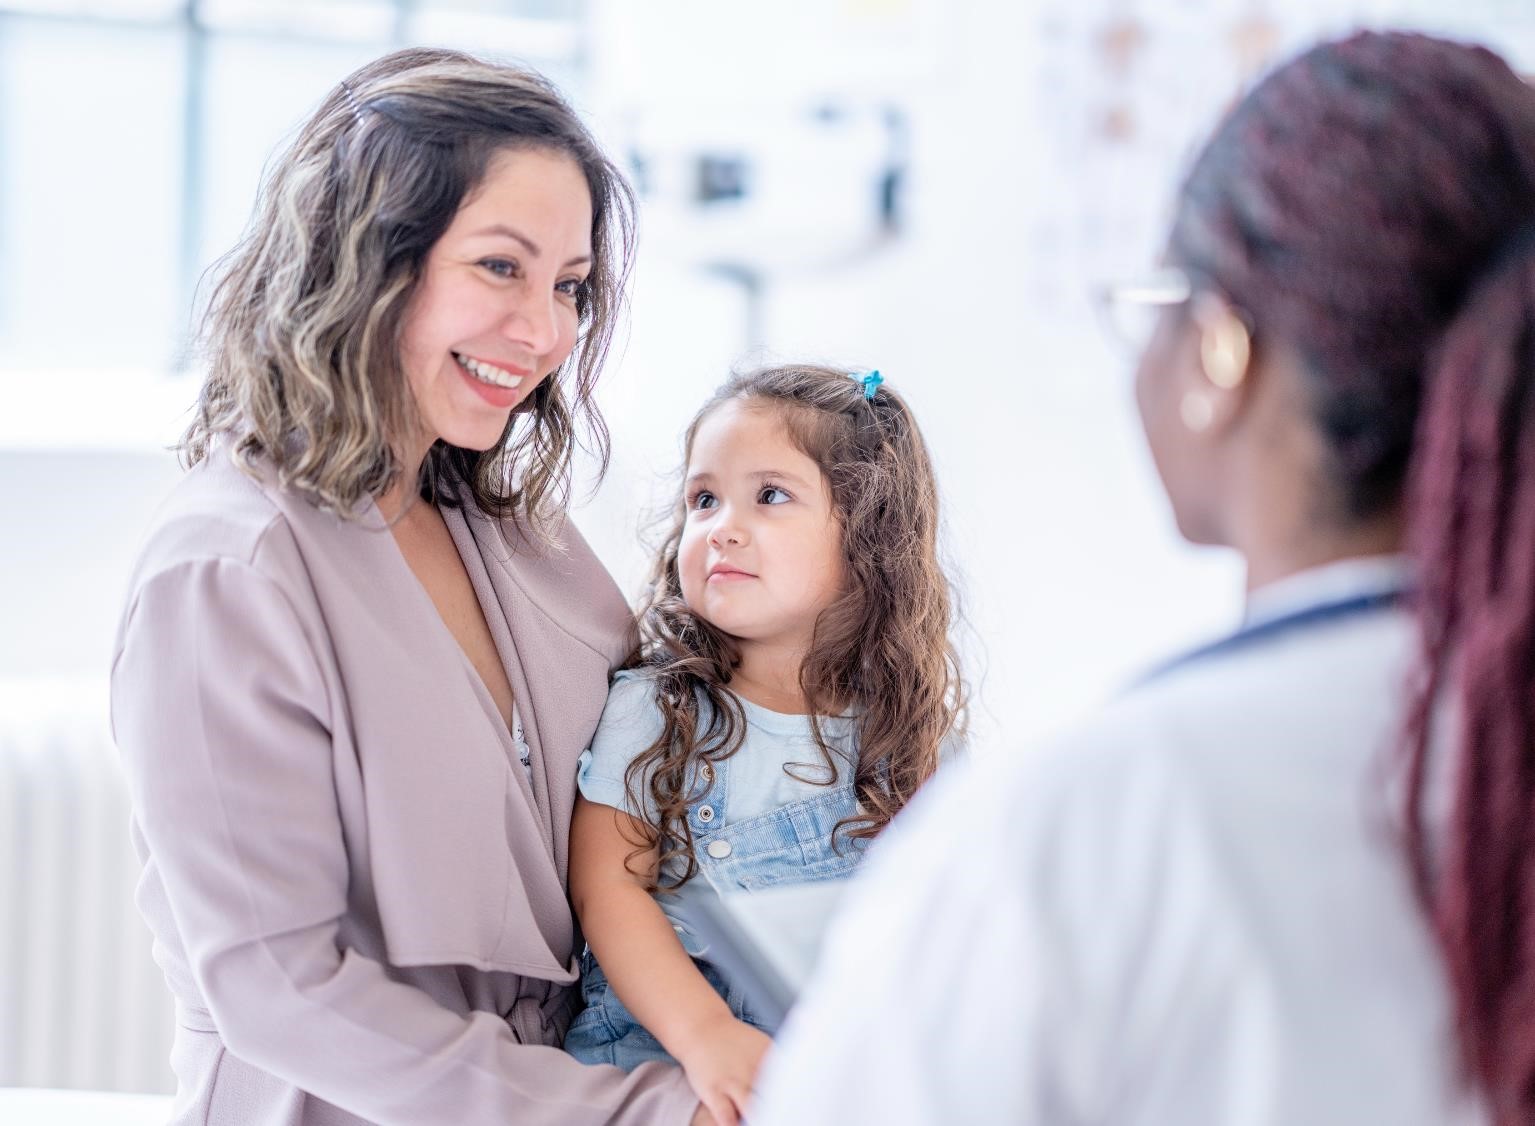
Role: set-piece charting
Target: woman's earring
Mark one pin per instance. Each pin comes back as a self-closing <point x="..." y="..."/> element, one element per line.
<point x="1225" y="349"/>
<point x="1197" y="412"/>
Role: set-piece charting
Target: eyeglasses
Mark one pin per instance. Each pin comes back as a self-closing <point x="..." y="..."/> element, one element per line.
<point x="1131" y="309"/>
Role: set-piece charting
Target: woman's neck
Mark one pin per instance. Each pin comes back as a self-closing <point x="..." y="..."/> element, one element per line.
<point x="1269" y="562"/>
<point x="393" y="501"/>
<point x="397" y="498"/>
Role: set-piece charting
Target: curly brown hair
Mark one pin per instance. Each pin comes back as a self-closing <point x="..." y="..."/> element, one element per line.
<point x="882" y="651"/>
<point x="303" y="329"/>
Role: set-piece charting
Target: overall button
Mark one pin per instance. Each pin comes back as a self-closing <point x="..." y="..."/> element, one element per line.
<point x="719" y="849"/>
<point x="708" y="772"/>
<point x="706" y="813"/>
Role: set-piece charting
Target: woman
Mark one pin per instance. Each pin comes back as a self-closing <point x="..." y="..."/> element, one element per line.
<point x="362" y="649"/>
<point x="1225" y="900"/>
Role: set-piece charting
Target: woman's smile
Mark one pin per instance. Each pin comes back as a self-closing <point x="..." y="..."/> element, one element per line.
<point x="497" y="386"/>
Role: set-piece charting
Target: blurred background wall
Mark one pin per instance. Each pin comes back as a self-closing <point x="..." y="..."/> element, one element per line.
<point x="930" y="188"/>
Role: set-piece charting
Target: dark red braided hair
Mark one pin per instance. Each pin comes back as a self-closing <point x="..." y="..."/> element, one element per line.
<point x="1372" y="204"/>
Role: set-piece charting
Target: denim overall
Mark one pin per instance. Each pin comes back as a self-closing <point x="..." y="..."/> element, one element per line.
<point x="791" y="844"/>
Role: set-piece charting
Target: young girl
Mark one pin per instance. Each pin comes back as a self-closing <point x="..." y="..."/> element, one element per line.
<point x="794" y="685"/>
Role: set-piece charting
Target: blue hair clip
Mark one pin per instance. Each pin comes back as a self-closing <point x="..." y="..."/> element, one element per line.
<point x="871" y="383"/>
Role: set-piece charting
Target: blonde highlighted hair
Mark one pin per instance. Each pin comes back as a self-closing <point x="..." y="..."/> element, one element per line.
<point x="303" y="329"/>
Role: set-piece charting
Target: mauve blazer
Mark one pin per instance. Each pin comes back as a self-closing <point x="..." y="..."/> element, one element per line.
<point x="357" y="896"/>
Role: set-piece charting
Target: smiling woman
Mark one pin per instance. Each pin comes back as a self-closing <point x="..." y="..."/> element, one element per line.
<point x="363" y="648"/>
<point x="434" y="209"/>
<point x="495" y="312"/>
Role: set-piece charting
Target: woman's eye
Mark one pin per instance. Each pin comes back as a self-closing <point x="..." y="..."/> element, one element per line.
<point x="572" y="287"/>
<point x="501" y="267"/>
<point x="772" y="494"/>
<point x="701" y="500"/>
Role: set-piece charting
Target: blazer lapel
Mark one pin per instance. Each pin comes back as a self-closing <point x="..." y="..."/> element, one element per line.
<point x="565" y="626"/>
<point x="468" y="863"/>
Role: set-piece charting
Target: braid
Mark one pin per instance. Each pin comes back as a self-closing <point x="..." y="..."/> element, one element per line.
<point x="1372" y="204"/>
<point x="1474" y="538"/>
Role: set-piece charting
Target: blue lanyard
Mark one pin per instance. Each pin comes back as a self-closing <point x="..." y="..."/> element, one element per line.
<point x="1325" y="612"/>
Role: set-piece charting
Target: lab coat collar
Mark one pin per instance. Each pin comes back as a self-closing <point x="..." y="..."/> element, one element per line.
<point x="1331" y="582"/>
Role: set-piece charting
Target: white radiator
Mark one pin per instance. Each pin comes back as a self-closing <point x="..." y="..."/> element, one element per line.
<point x="82" y="1004"/>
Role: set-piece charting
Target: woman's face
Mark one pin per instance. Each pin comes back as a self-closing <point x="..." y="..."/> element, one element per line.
<point x="495" y="308"/>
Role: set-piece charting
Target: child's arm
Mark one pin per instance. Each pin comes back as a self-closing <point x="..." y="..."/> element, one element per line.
<point x="647" y="966"/>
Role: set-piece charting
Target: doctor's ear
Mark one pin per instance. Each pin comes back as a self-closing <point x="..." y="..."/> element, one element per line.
<point x="1225" y="341"/>
<point x="1225" y="357"/>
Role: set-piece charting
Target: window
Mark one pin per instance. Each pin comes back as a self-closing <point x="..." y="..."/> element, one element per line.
<point x="133" y="135"/>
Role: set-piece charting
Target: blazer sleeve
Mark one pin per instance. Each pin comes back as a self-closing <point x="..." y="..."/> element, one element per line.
<point x="220" y="711"/>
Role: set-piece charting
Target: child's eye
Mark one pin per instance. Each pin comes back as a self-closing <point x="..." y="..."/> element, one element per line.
<point x="501" y="267"/>
<point x="772" y="494"/>
<point x="701" y="500"/>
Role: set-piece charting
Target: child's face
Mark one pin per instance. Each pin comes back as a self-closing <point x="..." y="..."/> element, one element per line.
<point x="761" y="551"/>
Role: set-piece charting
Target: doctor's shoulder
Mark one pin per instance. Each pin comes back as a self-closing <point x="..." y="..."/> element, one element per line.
<point x="1083" y="825"/>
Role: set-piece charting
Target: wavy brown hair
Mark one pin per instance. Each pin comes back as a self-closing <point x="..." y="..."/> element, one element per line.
<point x="303" y="329"/>
<point x="882" y="651"/>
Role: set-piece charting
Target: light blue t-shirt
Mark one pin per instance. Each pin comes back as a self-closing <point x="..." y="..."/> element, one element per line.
<point x="754" y="824"/>
<point x="757" y="787"/>
<point x="631" y="722"/>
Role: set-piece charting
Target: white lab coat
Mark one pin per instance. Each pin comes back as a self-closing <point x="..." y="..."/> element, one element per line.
<point x="1188" y="911"/>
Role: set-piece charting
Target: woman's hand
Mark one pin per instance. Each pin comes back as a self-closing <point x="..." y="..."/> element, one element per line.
<point x="721" y="1062"/>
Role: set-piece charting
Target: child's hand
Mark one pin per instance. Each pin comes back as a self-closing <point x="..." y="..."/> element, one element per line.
<point x="721" y="1064"/>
